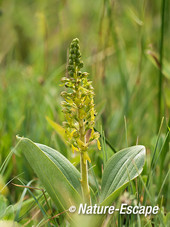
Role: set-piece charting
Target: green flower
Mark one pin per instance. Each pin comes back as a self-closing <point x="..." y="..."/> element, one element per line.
<point x="78" y="107"/>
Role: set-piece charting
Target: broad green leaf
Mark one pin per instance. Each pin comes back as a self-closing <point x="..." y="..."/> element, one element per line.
<point x="59" y="177"/>
<point x="70" y="172"/>
<point x="121" y="168"/>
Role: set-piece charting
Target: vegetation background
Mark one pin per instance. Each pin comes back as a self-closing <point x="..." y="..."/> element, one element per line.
<point x="125" y="47"/>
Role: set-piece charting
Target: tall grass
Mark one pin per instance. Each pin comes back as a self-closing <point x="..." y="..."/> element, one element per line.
<point x="161" y="62"/>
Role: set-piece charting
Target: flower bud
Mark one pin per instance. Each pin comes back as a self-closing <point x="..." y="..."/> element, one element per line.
<point x="73" y="56"/>
<point x="70" y="68"/>
<point x="65" y="79"/>
<point x="72" y="45"/>
<point x="78" y="53"/>
<point x="80" y="65"/>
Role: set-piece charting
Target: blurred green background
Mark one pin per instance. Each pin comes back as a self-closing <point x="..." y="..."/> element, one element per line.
<point x="120" y="45"/>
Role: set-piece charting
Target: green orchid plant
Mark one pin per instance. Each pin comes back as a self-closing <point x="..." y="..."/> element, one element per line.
<point x="79" y="112"/>
<point x="65" y="184"/>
